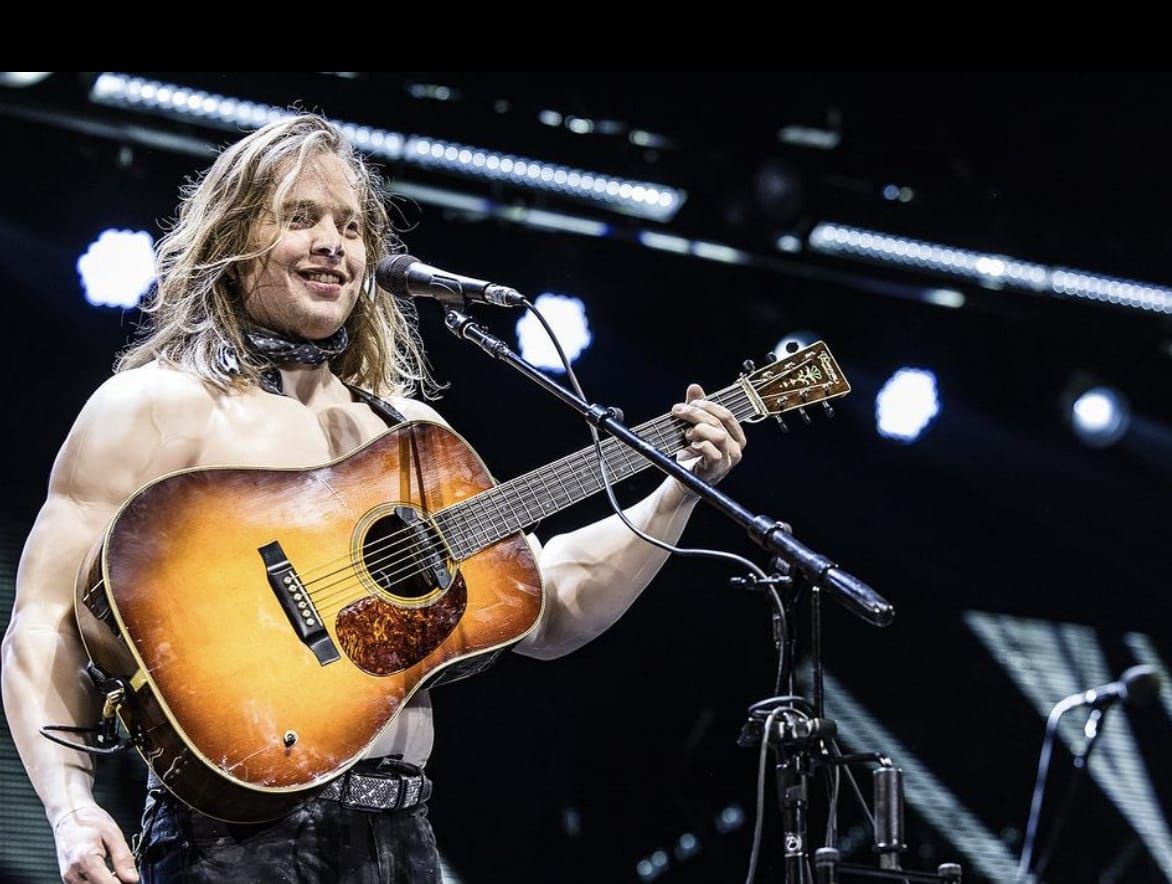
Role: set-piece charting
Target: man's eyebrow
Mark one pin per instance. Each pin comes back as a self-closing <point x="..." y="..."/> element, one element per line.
<point x="340" y="210"/>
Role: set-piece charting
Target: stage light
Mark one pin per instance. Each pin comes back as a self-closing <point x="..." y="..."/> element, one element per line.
<point x="730" y="819"/>
<point x="908" y="402"/>
<point x="988" y="270"/>
<point x="118" y="268"/>
<point x="794" y="341"/>
<point x="944" y="298"/>
<point x="642" y="199"/>
<point x="567" y="316"/>
<point x="1100" y="416"/>
<point x="687" y="846"/>
<point x="21" y="79"/>
<point x="787" y="242"/>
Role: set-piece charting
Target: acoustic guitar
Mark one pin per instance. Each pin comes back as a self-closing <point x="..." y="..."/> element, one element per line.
<point x="268" y="623"/>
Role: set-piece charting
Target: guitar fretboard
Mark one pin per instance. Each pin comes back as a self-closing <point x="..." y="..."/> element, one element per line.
<point x="513" y="506"/>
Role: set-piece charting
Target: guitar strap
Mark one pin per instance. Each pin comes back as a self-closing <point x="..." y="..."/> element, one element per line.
<point x="390" y="415"/>
<point x="464" y="668"/>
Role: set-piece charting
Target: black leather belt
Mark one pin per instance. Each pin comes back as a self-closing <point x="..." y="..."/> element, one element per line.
<point x="396" y="786"/>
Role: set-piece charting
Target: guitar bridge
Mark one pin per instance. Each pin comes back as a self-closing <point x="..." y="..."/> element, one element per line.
<point x="298" y="606"/>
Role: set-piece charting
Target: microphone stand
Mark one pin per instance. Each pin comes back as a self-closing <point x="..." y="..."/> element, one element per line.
<point x="1091" y="731"/>
<point x="796" y="737"/>
<point x="802" y="740"/>
<point x="768" y="533"/>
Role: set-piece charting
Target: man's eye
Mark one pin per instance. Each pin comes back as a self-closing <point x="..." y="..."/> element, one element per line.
<point x="298" y="218"/>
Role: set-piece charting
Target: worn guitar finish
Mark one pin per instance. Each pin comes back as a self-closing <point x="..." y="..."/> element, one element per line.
<point x="271" y="623"/>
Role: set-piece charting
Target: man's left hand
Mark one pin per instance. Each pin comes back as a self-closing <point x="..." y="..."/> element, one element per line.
<point x="715" y="438"/>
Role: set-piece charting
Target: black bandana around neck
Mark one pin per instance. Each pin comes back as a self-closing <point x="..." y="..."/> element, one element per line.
<point x="274" y="349"/>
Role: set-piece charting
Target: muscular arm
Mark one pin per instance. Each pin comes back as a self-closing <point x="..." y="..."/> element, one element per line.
<point x="136" y="427"/>
<point x="594" y="574"/>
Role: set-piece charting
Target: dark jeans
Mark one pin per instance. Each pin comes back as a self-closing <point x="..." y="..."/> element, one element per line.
<point x="320" y="842"/>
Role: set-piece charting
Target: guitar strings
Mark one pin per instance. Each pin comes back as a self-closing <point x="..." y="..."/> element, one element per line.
<point x="408" y="556"/>
<point x="410" y="567"/>
<point x="400" y="542"/>
<point x="612" y="444"/>
<point x="403" y="549"/>
<point x="562" y="470"/>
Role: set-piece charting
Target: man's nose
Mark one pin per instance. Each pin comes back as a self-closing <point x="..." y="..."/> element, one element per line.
<point x="327" y="241"/>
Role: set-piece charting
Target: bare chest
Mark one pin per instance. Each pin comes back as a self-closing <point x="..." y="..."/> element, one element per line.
<point x="259" y="429"/>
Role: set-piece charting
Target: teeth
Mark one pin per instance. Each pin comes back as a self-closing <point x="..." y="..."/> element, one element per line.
<point x="323" y="277"/>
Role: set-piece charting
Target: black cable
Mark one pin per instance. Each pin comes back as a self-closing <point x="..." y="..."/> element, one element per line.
<point x="837" y="752"/>
<point x="606" y="482"/>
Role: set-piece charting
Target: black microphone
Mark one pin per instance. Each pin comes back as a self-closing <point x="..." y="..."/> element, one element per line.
<point x="405" y="275"/>
<point x="1137" y="686"/>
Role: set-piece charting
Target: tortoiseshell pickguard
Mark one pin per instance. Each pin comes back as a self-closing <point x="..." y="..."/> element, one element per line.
<point x="382" y="638"/>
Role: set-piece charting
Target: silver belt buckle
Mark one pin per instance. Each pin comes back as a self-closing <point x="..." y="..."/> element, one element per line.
<point x="412" y="787"/>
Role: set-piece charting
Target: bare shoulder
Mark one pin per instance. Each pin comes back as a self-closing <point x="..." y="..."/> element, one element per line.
<point x="150" y="387"/>
<point x="415" y="410"/>
<point x="138" y="425"/>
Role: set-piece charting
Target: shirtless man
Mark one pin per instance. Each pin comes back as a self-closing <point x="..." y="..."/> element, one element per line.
<point x="283" y="233"/>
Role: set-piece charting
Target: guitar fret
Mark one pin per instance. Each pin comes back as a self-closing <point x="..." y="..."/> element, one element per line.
<point x="587" y="468"/>
<point x="577" y="467"/>
<point x="566" y="491"/>
<point x="479" y="511"/>
<point x="616" y="461"/>
<point x="495" y="516"/>
<point x="529" y="520"/>
<point x="515" y="522"/>
<point x="665" y="444"/>
<point x="466" y="527"/>
<point x="549" y="495"/>
<point x="508" y="518"/>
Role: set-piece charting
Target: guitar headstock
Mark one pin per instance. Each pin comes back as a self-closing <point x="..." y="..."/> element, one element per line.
<point x="806" y="377"/>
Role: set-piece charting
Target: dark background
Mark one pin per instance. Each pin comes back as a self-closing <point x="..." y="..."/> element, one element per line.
<point x="576" y="770"/>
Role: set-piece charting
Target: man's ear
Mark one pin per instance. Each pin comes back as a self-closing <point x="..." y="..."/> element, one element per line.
<point x="232" y="278"/>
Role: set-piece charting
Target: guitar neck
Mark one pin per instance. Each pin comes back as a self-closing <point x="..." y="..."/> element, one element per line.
<point x="513" y="506"/>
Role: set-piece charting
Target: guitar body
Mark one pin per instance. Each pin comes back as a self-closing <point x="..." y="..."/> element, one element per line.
<point x="265" y="626"/>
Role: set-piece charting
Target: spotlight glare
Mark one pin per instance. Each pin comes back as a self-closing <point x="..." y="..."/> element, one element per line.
<point x="731" y="818"/>
<point x="1100" y="416"/>
<point x="118" y="268"/>
<point x="908" y="402"/>
<point x="567" y="316"/>
<point x="794" y="341"/>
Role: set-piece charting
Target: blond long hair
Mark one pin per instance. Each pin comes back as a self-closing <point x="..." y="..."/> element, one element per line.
<point x="196" y="313"/>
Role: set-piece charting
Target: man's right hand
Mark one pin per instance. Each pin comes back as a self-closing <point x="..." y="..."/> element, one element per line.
<point x="88" y="843"/>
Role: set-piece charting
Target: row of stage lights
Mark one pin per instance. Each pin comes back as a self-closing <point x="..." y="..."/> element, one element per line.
<point x="118" y="270"/>
<point x="653" y="201"/>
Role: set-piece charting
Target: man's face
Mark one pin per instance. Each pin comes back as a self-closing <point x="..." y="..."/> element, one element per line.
<point x="307" y="284"/>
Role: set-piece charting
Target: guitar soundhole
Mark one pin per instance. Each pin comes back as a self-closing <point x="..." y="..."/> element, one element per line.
<point x="404" y="556"/>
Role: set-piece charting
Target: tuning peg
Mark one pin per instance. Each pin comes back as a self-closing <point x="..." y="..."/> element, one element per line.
<point x="781" y="423"/>
<point x="749" y="366"/>
<point x="805" y="417"/>
<point x="771" y="357"/>
<point x="828" y="408"/>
